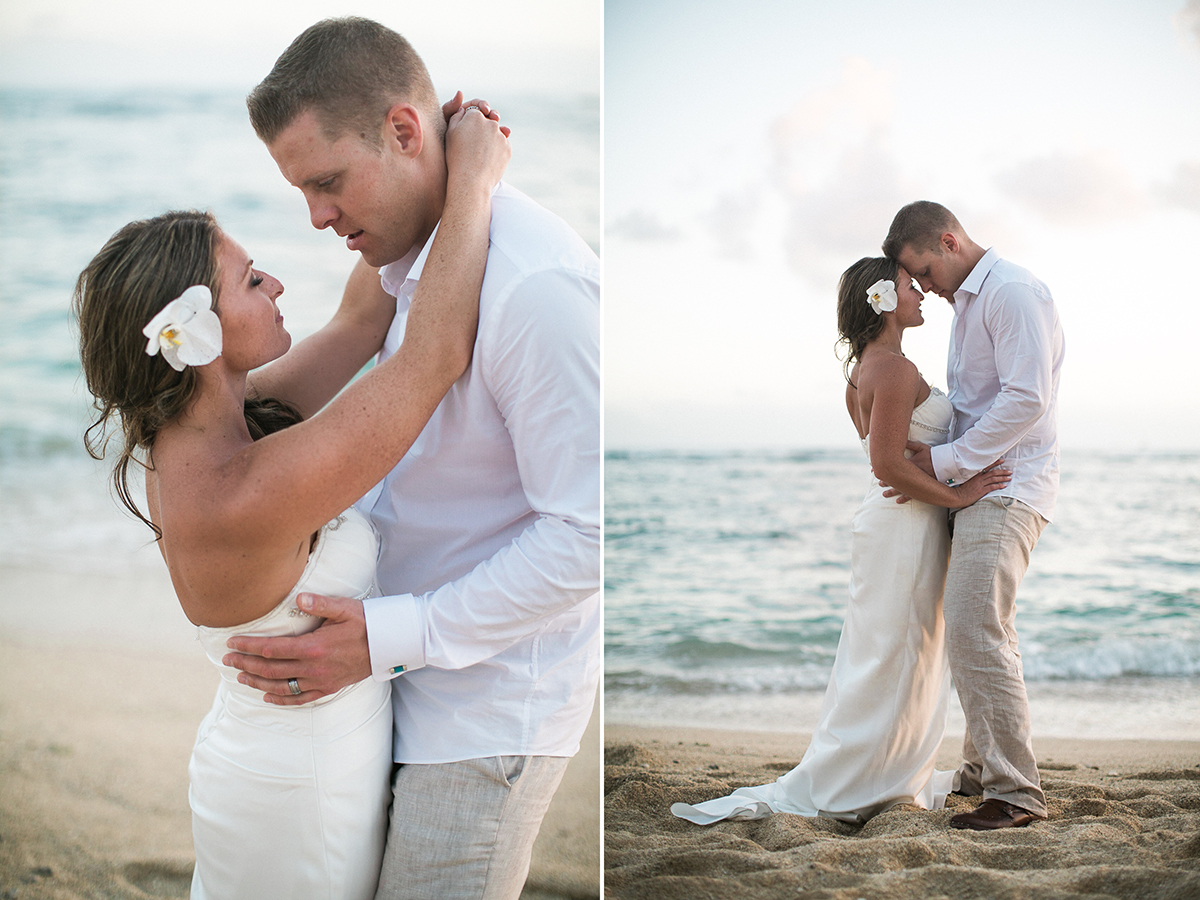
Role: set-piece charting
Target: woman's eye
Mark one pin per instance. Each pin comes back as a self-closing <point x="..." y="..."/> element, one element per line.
<point x="255" y="280"/>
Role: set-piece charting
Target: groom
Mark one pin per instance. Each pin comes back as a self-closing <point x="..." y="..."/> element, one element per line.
<point x="1006" y="351"/>
<point x="490" y="527"/>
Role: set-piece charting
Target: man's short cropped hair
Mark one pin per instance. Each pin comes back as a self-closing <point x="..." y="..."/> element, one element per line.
<point x="350" y="72"/>
<point x="919" y="225"/>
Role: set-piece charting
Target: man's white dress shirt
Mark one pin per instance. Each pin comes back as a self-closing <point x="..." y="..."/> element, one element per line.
<point x="490" y="525"/>
<point x="1006" y="351"/>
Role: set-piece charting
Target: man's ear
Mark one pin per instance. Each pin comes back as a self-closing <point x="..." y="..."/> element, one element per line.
<point x="949" y="243"/>
<point x="403" y="131"/>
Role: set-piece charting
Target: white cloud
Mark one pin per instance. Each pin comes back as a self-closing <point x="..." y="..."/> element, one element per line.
<point x="642" y="225"/>
<point x="848" y="217"/>
<point x="1187" y="20"/>
<point x="836" y="170"/>
<point x="1088" y="188"/>
<point x="824" y="193"/>
<point x="1183" y="190"/>
<point x="856" y="109"/>
<point x="732" y="219"/>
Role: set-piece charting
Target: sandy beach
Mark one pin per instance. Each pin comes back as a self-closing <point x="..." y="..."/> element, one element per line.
<point x="102" y="691"/>
<point x="1124" y="823"/>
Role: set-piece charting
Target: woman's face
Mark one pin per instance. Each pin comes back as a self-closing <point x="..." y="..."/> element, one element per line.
<point x="251" y="324"/>
<point x="908" y="301"/>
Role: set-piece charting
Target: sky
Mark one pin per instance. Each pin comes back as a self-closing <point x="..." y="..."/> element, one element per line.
<point x="506" y="46"/>
<point x="755" y="150"/>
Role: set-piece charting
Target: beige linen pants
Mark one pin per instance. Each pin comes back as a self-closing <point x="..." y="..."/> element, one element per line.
<point x="989" y="553"/>
<point x="465" y="830"/>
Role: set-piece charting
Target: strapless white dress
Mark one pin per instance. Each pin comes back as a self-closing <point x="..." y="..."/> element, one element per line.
<point x="291" y="802"/>
<point x="884" y="713"/>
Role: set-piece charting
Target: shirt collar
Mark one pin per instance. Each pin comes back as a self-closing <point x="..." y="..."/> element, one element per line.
<point x="398" y="275"/>
<point x="973" y="283"/>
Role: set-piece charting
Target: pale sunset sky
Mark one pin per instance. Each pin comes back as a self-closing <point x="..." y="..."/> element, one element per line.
<point x="754" y="150"/>
<point x="508" y="46"/>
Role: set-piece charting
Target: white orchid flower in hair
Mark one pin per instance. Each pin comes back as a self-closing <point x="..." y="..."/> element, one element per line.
<point x="882" y="296"/>
<point x="186" y="330"/>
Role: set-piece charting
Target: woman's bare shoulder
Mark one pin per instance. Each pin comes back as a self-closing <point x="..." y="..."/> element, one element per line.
<point x="199" y="500"/>
<point x="223" y="572"/>
<point x="881" y="366"/>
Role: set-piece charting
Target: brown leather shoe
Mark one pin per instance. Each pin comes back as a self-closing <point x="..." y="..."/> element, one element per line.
<point x="994" y="814"/>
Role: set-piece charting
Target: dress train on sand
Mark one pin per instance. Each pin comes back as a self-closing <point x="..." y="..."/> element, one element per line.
<point x="884" y="713"/>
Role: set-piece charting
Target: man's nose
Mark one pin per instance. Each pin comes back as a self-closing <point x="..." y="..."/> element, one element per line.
<point x="322" y="215"/>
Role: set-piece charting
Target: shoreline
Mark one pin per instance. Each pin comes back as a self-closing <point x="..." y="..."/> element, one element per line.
<point x="1124" y="707"/>
<point x="1124" y="822"/>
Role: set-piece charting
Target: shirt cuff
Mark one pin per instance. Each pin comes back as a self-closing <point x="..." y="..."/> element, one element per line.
<point x="944" y="468"/>
<point x="395" y="635"/>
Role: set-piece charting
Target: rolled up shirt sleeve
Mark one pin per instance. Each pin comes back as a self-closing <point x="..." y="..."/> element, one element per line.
<point x="541" y="363"/>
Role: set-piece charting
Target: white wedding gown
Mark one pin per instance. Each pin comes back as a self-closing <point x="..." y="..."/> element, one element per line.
<point x="291" y="802"/>
<point x="884" y="712"/>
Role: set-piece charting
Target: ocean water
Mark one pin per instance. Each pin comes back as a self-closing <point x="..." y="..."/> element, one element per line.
<point x="726" y="579"/>
<point x="77" y="165"/>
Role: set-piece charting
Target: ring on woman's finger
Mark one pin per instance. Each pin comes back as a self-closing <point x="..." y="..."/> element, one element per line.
<point x="293" y="686"/>
<point x="472" y="106"/>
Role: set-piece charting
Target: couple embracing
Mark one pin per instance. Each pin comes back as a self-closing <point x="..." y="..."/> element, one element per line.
<point x="398" y="580"/>
<point x="930" y="595"/>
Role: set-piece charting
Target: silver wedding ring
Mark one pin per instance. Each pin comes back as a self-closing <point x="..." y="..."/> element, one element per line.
<point x="472" y="106"/>
<point x="293" y="685"/>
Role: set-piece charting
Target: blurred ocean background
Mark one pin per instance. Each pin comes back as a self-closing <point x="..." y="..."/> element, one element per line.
<point x="726" y="579"/>
<point x="75" y="165"/>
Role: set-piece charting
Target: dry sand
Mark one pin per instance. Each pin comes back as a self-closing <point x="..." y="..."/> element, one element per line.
<point x="95" y="736"/>
<point x="1124" y="823"/>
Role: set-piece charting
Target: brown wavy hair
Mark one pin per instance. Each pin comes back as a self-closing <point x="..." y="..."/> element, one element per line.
<point x="142" y="268"/>
<point x="858" y="323"/>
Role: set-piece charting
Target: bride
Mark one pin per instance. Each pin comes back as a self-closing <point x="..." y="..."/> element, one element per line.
<point x="173" y="315"/>
<point x="884" y="712"/>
